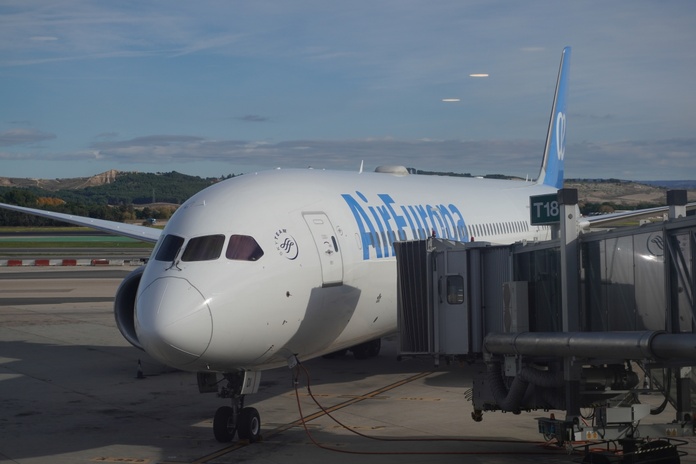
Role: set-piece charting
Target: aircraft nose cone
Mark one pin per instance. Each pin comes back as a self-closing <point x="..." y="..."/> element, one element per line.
<point x="173" y="321"/>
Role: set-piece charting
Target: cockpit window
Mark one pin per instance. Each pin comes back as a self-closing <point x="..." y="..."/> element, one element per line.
<point x="243" y="248"/>
<point x="206" y="248"/>
<point x="169" y="248"/>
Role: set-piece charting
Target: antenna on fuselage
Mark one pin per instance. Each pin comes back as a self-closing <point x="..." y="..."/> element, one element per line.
<point x="362" y="163"/>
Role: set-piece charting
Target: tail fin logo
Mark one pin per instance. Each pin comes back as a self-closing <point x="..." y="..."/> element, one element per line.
<point x="560" y="135"/>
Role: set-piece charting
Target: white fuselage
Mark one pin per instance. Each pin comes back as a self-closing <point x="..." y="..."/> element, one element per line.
<point x="322" y="276"/>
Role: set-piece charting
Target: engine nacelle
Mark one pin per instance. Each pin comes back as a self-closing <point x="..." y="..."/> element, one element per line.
<point x="124" y="306"/>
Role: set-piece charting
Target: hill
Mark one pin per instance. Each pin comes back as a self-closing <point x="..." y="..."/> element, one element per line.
<point x="54" y="185"/>
<point x="673" y="184"/>
<point x="621" y="193"/>
<point x="114" y="187"/>
<point x="140" y="189"/>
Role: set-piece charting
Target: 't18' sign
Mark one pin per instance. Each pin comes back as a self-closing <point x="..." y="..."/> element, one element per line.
<point x="544" y="209"/>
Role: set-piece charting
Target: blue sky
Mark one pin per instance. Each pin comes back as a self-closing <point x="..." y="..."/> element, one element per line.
<point x="211" y="88"/>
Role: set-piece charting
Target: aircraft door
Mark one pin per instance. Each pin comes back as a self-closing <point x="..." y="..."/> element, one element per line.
<point x="327" y="246"/>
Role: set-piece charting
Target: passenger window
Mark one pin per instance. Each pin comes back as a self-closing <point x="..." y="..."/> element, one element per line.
<point x="455" y="289"/>
<point x="169" y="248"/>
<point x="243" y="248"/>
<point x="206" y="248"/>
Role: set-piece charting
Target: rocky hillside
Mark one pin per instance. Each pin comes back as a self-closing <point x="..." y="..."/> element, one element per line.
<point x="53" y="185"/>
<point x="621" y="192"/>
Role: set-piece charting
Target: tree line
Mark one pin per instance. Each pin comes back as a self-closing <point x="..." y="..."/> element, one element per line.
<point x="128" y="198"/>
<point x="131" y="195"/>
<point x="118" y="213"/>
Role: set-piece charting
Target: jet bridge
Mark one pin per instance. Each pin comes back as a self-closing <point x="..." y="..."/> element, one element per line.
<point x="582" y="324"/>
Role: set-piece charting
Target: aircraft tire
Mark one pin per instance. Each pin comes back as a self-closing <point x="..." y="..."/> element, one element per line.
<point x="223" y="424"/>
<point x="249" y="425"/>
<point x="360" y="352"/>
<point x="374" y="347"/>
<point x="368" y="349"/>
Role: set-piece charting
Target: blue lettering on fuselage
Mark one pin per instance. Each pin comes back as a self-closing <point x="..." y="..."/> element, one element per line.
<point x="382" y="221"/>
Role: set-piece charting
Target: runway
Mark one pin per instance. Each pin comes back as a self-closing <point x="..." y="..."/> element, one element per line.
<point x="70" y="394"/>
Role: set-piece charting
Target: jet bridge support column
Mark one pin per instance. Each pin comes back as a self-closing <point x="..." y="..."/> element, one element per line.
<point x="568" y="200"/>
<point x="676" y="202"/>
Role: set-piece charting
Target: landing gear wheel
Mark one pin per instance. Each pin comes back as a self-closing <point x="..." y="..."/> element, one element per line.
<point x="374" y="347"/>
<point x="368" y="349"/>
<point x="224" y="426"/>
<point x="249" y="425"/>
<point x="360" y="352"/>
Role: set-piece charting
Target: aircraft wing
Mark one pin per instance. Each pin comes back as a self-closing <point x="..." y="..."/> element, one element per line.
<point x="607" y="220"/>
<point x="146" y="234"/>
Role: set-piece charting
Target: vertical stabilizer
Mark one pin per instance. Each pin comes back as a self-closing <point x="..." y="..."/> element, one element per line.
<point x="551" y="172"/>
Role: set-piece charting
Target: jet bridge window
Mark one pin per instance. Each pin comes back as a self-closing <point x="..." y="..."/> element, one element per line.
<point x="170" y="246"/>
<point x="455" y="289"/>
<point x="206" y="248"/>
<point x="243" y="248"/>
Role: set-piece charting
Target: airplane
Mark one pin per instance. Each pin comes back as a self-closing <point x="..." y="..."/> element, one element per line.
<point x="272" y="268"/>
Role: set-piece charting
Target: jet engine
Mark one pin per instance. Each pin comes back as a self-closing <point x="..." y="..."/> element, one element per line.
<point x="124" y="306"/>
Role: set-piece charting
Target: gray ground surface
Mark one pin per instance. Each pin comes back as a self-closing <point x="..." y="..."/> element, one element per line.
<point x="69" y="394"/>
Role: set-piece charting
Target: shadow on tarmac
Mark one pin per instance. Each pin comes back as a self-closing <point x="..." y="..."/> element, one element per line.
<point x="60" y="399"/>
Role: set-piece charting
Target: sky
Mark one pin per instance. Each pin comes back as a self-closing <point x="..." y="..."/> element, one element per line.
<point x="211" y="88"/>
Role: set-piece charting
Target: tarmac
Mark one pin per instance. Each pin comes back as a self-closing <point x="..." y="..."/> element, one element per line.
<point x="70" y="393"/>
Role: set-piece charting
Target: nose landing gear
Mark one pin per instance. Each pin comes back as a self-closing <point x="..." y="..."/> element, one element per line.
<point x="235" y="419"/>
<point x="245" y="422"/>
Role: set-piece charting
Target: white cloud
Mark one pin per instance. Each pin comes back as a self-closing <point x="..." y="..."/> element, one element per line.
<point x="513" y="157"/>
<point x="23" y="136"/>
